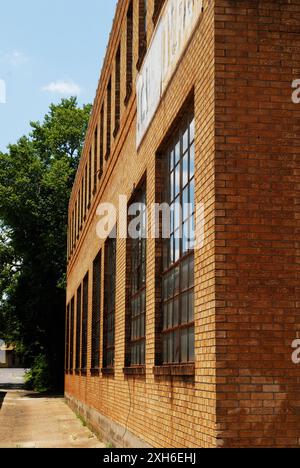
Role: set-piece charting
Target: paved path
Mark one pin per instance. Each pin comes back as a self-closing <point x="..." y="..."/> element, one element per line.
<point x="30" y="421"/>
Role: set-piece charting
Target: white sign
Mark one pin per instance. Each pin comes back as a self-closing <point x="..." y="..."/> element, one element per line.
<point x="170" y="38"/>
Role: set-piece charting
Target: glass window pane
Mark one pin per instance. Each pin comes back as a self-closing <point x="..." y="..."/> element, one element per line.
<point x="186" y="209"/>
<point x="172" y="187"/>
<point x="185" y="142"/>
<point x="191" y="271"/>
<point x="192" y="161"/>
<point x="184" y="308"/>
<point x="192" y="130"/>
<point x="177" y="153"/>
<point x="184" y="345"/>
<point x="192" y="194"/>
<point x="185" y="275"/>
<point x="165" y="316"/>
<point x="176" y="280"/>
<point x="165" y="349"/>
<point x="191" y="339"/>
<point x="185" y="238"/>
<point x="177" y="247"/>
<point x="176" y="313"/>
<point x="170" y="347"/>
<point x="171" y="156"/>
<point x="177" y="214"/>
<point x="191" y="307"/>
<point x="176" y="346"/>
<point x="170" y="315"/>
<point x="185" y="170"/>
<point x="177" y="181"/>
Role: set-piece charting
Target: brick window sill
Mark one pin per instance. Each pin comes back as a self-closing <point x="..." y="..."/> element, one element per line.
<point x="184" y="370"/>
<point x="135" y="371"/>
<point x="108" y="372"/>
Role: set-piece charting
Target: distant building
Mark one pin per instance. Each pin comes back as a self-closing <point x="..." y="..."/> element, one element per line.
<point x="169" y="345"/>
<point x="8" y="356"/>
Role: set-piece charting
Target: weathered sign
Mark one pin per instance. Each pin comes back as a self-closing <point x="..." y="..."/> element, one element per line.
<point x="170" y="38"/>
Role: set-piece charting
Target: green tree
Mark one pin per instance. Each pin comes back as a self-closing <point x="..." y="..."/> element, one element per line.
<point x="36" y="178"/>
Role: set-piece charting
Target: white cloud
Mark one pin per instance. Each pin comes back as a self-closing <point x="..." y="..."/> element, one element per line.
<point x="63" y="87"/>
<point x="14" y="58"/>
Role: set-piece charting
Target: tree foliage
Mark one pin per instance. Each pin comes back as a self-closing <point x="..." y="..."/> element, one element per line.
<point x="36" y="177"/>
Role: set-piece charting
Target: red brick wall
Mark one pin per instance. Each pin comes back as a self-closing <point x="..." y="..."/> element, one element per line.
<point x="257" y="222"/>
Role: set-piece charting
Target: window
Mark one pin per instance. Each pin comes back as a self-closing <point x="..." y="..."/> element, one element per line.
<point x="109" y="304"/>
<point x="142" y="31"/>
<point x="108" y="120"/>
<point x="117" y="91"/>
<point x="85" y="189"/>
<point x="82" y="203"/>
<point x="90" y="179"/>
<point x="178" y="253"/>
<point x="101" y="153"/>
<point x="76" y="220"/>
<point x="67" y="352"/>
<point x="72" y="318"/>
<point x="96" y="312"/>
<point x="95" y="159"/>
<point x="129" y="51"/>
<point x="78" y="329"/>
<point x="85" y="306"/>
<point x="135" y="355"/>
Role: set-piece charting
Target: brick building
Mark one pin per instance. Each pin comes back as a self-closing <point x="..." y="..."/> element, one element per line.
<point x="168" y="345"/>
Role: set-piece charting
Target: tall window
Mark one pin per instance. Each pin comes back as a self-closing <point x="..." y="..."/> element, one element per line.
<point x="142" y="31"/>
<point x="96" y="313"/>
<point x="90" y="178"/>
<point x="85" y="189"/>
<point x="137" y="274"/>
<point x="117" y="91"/>
<point x="129" y="51"/>
<point x="78" y="329"/>
<point x="108" y="120"/>
<point x="95" y="158"/>
<point x="67" y="352"/>
<point x="82" y="202"/>
<point x="72" y="318"/>
<point x="178" y="251"/>
<point x="109" y="304"/>
<point x="85" y="306"/>
<point x="101" y="153"/>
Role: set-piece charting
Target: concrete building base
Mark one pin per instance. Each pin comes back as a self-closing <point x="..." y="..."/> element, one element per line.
<point x="106" y="429"/>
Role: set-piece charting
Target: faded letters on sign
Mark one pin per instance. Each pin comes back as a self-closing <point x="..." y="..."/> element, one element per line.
<point x="171" y="36"/>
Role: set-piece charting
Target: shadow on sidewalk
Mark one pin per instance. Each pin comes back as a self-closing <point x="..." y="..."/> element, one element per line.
<point x="2" y="396"/>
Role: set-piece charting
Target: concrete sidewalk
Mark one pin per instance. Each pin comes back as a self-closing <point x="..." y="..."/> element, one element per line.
<point x="30" y="421"/>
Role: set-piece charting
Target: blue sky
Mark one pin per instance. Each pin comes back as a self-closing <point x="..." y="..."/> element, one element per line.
<point x="49" y="49"/>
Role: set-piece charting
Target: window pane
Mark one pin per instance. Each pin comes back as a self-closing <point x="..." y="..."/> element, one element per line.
<point x="177" y="346"/>
<point x="191" y="356"/>
<point x="192" y="161"/>
<point x="170" y="347"/>
<point x="177" y="180"/>
<point x="192" y="130"/>
<point x="177" y="153"/>
<point x="191" y="307"/>
<point x="176" y="313"/>
<point x="191" y="271"/>
<point x="184" y="345"/>
<point x="185" y="143"/>
<point x="165" y="348"/>
<point x="185" y="170"/>
<point x="184" y="308"/>
<point x="185" y="275"/>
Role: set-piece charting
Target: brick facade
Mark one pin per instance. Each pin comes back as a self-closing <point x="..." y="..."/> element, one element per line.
<point x="244" y="391"/>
